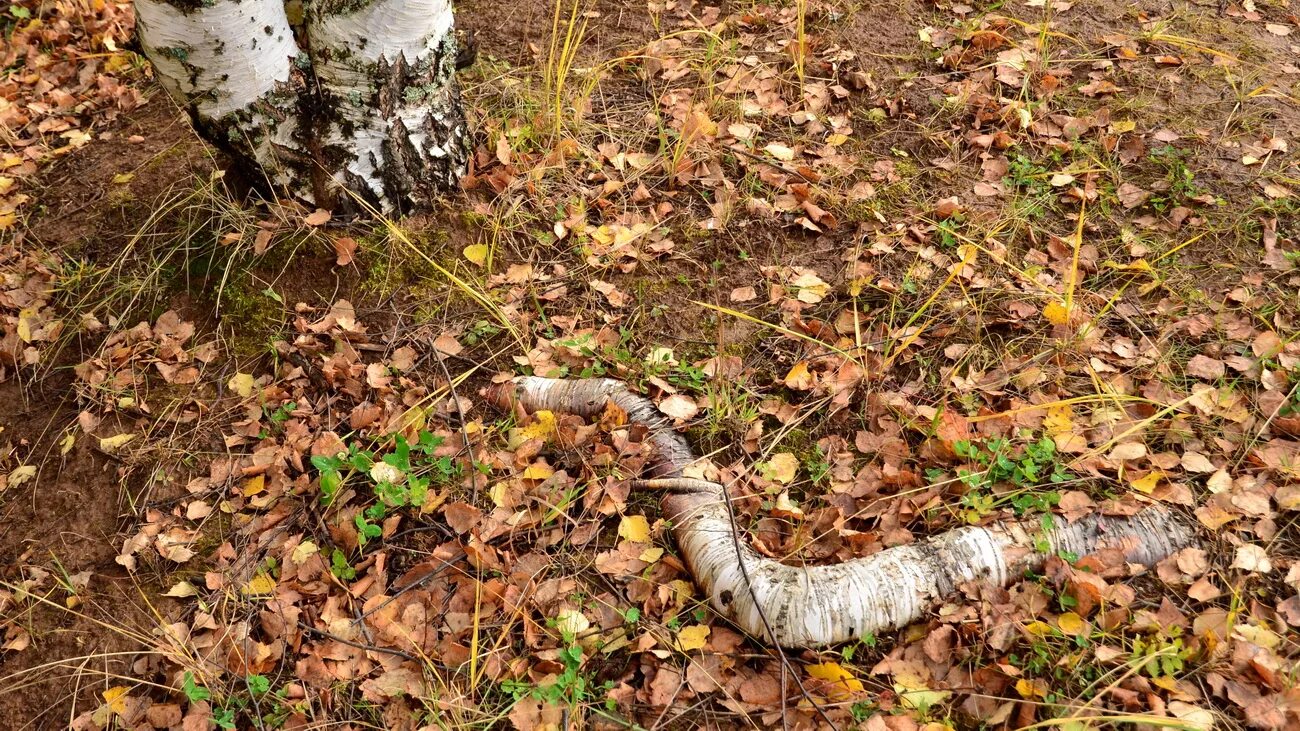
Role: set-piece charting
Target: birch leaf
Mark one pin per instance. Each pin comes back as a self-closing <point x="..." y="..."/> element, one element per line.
<point x="634" y="528"/>
<point x="780" y="152"/>
<point x="799" y="378"/>
<point x="679" y="407"/>
<point x="112" y="444"/>
<point x="260" y="585"/>
<point x="543" y="426"/>
<point x="182" y="589"/>
<point x="1147" y="483"/>
<point x="303" y="551"/>
<point x="695" y="637"/>
<point x="840" y="682"/>
<point x="242" y="384"/>
<point x="572" y="622"/>
<point x="115" y="698"/>
<point x="1252" y="558"/>
<point x="476" y="254"/>
<point x="781" y="468"/>
<point x="1071" y="624"/>
<point x="914" y="693"/>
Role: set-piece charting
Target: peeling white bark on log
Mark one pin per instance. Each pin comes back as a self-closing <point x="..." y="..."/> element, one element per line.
<point x="820" y="605"/>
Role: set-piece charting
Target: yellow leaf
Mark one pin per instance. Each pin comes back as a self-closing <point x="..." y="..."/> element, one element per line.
<point x="634" y="528"/>
<point x="841" y="682"/>
<point x="1059" y="425"/>
<point x="1028" y="688"/>
<point x="20" y="475"/>
<point x="112" y="444"/>
<point x="914" y="693"/>
<point x="255" y="485"/>
<point x="538" y="471"/>
<point x="1071" y="624"/>
<point x="1137" y="265"/>
<point x="260" y="585"/>
<point x="652" y="554"/>
<point x="303" y="551"/>
<point x="543" y="426"/>
<point x="694" y="637"/>
<point x="799" y="378"/>
<point x="780" y="152"/>
<point x="1039" y="629"/>
<point x="499" y="493"/>
<point x="1147" y="483"/>
<point x="115" y="698"/>
<point x="182" y="589"/>
<point x="1057" y="313"/>
<point x="1059" y="420"/>
<point x="123" y="178"/>
<point x="242" y="384"/>
<point x="476" y="253"/>
<point x="25" y="317"/>
<point x="65" y="444"/>
<point x="781" y="468"/>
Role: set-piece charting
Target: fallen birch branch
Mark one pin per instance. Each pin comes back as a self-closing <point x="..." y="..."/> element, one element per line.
<point x="798" y="606"/>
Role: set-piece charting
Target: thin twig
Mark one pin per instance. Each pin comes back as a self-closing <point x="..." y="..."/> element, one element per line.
<point x="762" y="616"/>
<point x="358" y="645"/>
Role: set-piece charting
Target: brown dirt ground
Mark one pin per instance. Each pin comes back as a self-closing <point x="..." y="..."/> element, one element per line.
<point x="75" y="511"/>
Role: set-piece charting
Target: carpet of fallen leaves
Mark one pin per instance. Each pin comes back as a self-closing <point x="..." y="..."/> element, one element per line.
<point x="64" y="78"/>
<point x="893" y="270"/>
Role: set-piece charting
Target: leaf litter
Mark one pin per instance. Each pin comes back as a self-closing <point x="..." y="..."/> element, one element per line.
<point x="372" y="541"/>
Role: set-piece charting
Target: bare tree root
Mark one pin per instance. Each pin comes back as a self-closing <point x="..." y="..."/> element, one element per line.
<point x="798" y="606"/>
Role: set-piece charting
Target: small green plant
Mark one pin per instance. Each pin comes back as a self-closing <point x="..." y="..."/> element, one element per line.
<point x="194" y="692"/>
<point x="816" y="465"/>
<point x="399" y="478"/>
<point x="1179" y="177"/>
<point x="340" y="567"/>
<point x="1161" y="656"/>
<point x="570" y="687"/>
<point x="479" y="332"/>
<point x="277" y="417"/>
<point x="1027" y="468"/>
<point x="1029" y="175"/>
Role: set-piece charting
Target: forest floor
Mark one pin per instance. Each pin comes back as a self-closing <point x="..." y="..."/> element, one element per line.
<point x="894" y="267"/>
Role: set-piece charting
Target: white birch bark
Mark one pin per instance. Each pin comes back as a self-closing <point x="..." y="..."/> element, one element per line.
<point x="387" y="68"/>
<point x="230" y="62"/>
<point x="358" y="97"/>
<point x="800" y="606"/>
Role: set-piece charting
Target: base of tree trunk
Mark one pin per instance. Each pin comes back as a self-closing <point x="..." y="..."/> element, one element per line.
<point x="353" y="105"/>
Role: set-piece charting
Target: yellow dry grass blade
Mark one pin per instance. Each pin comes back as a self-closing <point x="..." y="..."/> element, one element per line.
<point x="967" y="258"/>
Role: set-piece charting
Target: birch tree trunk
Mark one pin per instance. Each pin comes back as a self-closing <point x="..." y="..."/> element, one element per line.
<point x="321" y="98"/>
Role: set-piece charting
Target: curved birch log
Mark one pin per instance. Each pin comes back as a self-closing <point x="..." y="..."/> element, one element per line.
<point x="798" y="606"/>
